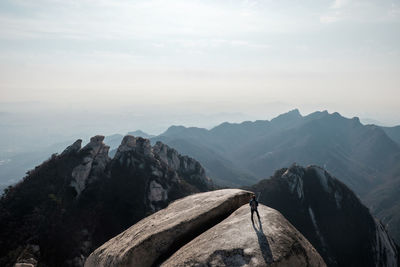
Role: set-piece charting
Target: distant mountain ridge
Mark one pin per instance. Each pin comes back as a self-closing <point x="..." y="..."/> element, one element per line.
<point x="260" y="147"/>
<point x="364" y="157"/>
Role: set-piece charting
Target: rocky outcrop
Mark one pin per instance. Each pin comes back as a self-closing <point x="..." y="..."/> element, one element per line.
<point x="184" y="165"/>
<point x="165" y="168"/>
<point x="93" y="163"/>
<point x="168" y="155"/>
<point x="75" y="147"/>
<point x="271" y="241"/>
<point x="135" y="144"/>
<point x="330" y="216"/>
<point x="28" y="257"/>
<point x="157" y="235"/>
<point x="208" y="229"/>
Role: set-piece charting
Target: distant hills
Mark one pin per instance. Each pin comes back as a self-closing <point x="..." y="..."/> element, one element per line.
<point x="362" y="155"/>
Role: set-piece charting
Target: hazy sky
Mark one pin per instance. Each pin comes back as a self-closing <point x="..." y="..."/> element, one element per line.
<point x="210" y="56"/>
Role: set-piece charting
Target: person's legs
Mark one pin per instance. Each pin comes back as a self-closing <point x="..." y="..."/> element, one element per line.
<point x="252" y="211"/>
<point x="258" y="215"/>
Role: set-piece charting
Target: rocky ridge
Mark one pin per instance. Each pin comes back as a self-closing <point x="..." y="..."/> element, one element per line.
<point x="208" y="229"/>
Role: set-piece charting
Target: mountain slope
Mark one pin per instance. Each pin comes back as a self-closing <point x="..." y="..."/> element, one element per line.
<point x="361" y="155"/>
<point x="393" y="132"/>
<point x="330" y="216"/>
<point x="384" y="203"/>
<point x="107" y="195"/>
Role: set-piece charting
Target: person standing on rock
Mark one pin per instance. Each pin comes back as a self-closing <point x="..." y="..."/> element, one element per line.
<point x="253" y="206"/>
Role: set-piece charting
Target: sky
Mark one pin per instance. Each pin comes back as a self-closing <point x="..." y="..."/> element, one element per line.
<point x="159" y="62"/>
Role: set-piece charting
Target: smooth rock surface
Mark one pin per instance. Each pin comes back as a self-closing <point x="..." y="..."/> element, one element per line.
<point x="157" y="236"/>
<point x="272" y="241"/>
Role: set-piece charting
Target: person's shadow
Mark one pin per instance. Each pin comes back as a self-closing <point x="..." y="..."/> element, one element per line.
<point x="263" y="242"/>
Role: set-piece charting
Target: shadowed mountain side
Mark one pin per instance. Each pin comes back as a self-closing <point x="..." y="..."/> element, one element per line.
<point x="330" y="216"/>
<point x="385" y="204"/>
<point x="75" y="201"/>
<point x="359" y="155"/>
<point x="393" y="132"/>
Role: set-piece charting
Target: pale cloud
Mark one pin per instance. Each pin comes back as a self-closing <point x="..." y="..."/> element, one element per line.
<point x="366" y="11"/>
<point x="339" y="3"/>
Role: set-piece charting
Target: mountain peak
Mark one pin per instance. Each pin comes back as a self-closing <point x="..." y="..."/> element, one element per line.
<point x="295" y="113"/>
<point x="287" y="118"/>
<point x="137" y="144"/>
<point x="75" y="147"/>
<point x="174" y="129"/>
<point x="140" y="133"/>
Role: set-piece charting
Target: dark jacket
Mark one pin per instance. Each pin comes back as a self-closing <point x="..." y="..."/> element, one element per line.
<point x="253" y="204"/>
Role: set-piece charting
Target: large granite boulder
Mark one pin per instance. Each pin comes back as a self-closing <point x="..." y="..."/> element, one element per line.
<point x="208" y="229"/>
<point x="272" y="241"/>
<point x="158" y="235"/>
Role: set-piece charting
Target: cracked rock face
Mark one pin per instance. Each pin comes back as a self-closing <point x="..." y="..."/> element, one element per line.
<point x="185" y="166"/>
<point x="94" y="162"/>
<point x="209" y="229"/>
<point x="135" y="144"/>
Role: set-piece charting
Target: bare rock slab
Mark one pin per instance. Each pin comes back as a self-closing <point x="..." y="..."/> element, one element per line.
<point x="156" y="237"/>
<point x="270" y="241"/>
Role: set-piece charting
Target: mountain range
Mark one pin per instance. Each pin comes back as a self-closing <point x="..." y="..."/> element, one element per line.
<point x="72" y="203"/>
<point x="364" y="157"/>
